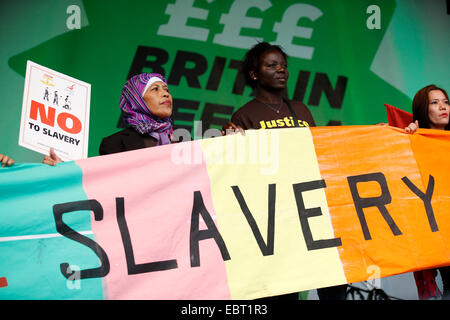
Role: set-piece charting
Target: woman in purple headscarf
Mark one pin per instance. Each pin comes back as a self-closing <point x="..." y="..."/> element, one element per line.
<point x="146" y="106"/>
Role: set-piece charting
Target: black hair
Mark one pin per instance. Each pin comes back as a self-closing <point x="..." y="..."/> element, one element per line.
<point x="252" y="60"/>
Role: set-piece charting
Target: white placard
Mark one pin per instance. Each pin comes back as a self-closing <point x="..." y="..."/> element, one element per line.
<point x="55" y="113"/>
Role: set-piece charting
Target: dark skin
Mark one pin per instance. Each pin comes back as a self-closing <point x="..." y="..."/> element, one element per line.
<point x="271" y="79"/>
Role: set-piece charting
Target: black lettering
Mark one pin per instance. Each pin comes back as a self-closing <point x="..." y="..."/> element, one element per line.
<point x="197" y="235"/>
<point x="379" y="202"/>
<point x="304" y="214"/>
<point x="66" y="231"/>
<point x="266" y="248"/>
<point x="182" y="116"/>
<point x="140" y="60"/>
<point x="216" y="74"/>
<point x="210" y="117"/>
<point x="239" y="81"/>
<point x="322" y="84"/>
<point x="134" y="268"/>
<point x="180" y="70"/>
<point x="334" y="123"/>
<point x="302" y="83"/>
<point x="426" y="198"/>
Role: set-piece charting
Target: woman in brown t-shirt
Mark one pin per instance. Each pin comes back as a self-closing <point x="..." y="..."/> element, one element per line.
<point x="265" y="70"/>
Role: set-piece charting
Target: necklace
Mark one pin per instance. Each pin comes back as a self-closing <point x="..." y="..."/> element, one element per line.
<point x="277" y="110"/>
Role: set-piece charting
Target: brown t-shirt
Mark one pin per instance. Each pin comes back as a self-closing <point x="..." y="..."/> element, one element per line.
<point x="256" y="115"/>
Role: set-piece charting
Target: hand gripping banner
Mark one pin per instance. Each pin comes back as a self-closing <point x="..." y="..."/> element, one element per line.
<point x="235" y="217"/>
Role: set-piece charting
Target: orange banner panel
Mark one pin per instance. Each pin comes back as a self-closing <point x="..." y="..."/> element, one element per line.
<point x="370" y="173"/>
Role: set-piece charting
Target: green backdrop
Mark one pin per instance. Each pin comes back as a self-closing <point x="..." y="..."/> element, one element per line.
<point x="346" y="58"/>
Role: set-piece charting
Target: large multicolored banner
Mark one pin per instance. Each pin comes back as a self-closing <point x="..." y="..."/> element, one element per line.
<point x="235" y="217"/>
<point x="346" y="58"/>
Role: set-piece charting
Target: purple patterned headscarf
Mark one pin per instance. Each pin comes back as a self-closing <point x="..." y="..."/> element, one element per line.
<point x="136" y="114"/>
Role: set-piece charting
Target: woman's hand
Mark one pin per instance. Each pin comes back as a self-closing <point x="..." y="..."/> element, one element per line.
<point x="412" y="127"/>
<point x="231" y="128"/>
<point x="52" y="159"/>
<point x="6" y="161"/>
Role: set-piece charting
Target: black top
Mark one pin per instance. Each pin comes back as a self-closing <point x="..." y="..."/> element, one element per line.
<point x="125" y="140"/>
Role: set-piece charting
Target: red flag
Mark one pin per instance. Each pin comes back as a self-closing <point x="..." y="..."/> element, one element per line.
<point x="397" y="117"/>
